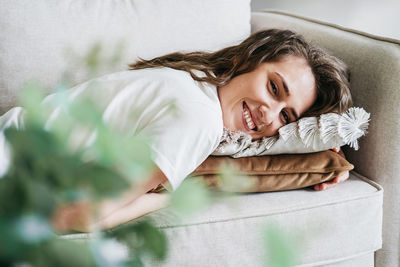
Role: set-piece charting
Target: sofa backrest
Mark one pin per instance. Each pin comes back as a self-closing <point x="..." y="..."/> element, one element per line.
<point x="42" y="39"/>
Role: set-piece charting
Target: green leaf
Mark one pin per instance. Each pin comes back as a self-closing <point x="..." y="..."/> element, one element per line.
<point x="231" y="181"/>
<point x="191" y="196"/>
<point x="62" y="253"/>
<point x="142" y="237"/>
<point x="155" y="240"/>
<point x="18" y="194"/>
<point x="33" y="144"/>
<point x="85" y="111"/>
<point x="37" y="197"/>
<point x="135" y="158"/>
<point x="100" y="181"/>
<point x="117" y="55"/>
<point x="130" y="156"/>
<point x="30" y="98"/>
<point x="38" y="155"/>
<point x="10" y="245"/>
<point x="281" y="249"/>
<point x="135" y="262"/>
<point x="109" y="252"/>
<point x="93" y="59"/>
<point x="32" y="228"/>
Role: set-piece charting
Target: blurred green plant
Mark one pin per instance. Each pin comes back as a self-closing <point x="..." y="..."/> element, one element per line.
<point x="47" y="171"/>
<point x="44" y="173"/>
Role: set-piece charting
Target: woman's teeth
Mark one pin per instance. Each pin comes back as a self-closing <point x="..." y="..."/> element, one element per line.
<point x="249" y="122"/>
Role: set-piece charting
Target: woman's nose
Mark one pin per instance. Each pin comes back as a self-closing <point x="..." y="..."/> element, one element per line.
<point x="268" y="114"/>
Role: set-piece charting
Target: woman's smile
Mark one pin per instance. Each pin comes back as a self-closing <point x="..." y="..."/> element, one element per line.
<point x="247" y="118"/>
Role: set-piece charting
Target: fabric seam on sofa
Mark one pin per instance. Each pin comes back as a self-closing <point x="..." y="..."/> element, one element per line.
<point x="320" y="263"/>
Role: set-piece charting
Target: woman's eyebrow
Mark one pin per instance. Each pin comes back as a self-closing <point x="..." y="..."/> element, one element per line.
<point x="284" y="84"/>
<point x="287" y="91"/>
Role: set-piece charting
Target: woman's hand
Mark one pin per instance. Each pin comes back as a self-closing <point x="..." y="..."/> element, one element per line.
<point x="85" y="216"/>
<point x="75" y="216"/>
<point x="339" y="179"/>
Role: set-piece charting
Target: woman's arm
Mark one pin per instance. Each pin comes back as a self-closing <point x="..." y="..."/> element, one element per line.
<point x="143" y="205"/>
<point x="82" y="216"/>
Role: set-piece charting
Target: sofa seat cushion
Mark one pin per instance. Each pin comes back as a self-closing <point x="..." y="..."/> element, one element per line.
<point x="334" y="225"/>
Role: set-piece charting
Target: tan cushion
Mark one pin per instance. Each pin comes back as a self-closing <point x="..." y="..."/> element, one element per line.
<point x="270" y="173"/>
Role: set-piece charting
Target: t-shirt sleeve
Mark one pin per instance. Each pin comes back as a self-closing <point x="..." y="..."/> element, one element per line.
<point x="183" y="139"/>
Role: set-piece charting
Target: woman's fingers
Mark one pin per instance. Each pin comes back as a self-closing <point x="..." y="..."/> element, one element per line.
<point x="343" y="176"/>
<point x="338" y="179"/>
<point x="326" y="185"/>
<point x="339" y="151"/>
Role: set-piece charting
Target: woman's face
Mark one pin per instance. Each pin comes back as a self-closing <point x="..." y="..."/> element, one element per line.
<point x="272" y="95"/>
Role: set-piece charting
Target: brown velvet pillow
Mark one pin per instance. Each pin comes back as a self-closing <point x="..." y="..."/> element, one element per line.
<point x="275" y="172"/>
<point x="271" y="173"/>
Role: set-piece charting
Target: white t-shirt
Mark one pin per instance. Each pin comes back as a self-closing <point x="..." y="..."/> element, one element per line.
<point x="139" y="101"/>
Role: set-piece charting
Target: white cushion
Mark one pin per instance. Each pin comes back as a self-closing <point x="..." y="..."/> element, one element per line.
<point x="35" y="35"/>
<point x="334" y="225"/>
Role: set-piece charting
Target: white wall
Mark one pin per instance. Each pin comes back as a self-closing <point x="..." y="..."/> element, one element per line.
<point x="373" y="16"/>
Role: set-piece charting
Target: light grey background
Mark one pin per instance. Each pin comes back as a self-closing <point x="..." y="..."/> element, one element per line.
<point x="372" y="16"/>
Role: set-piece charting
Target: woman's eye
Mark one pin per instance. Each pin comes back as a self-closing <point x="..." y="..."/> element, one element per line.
<point x="286" y="117"/>
<point x="274" y="88"/>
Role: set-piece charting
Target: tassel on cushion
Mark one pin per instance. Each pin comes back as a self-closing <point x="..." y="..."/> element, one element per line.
<point x="352" y="125"/>
<point x="308" y="130"/>
<point x="270" y="141"/>
<point x="288" y="131"/>
<point x="328" y="125"/>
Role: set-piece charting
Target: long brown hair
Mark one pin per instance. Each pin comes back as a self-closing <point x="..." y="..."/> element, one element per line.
<point x="331" y="74"/>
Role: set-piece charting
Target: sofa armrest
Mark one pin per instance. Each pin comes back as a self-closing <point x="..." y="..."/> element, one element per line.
<point x="375" y="82"/>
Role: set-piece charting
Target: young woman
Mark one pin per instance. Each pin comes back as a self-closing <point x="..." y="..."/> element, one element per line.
<point x="272" y="78"/>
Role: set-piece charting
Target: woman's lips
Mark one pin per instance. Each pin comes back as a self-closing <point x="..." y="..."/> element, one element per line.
<point x="246" y="126"/>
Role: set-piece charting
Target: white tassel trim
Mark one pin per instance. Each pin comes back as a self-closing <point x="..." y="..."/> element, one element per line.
<point x="269" y="141"/>
<point x="328" y="125"/>
<point x="288" y="131"/>
<point x="352" y="125"/>
<point x="308" y="130"/>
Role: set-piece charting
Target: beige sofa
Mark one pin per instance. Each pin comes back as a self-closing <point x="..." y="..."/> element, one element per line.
<point x="340" y="227"/>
